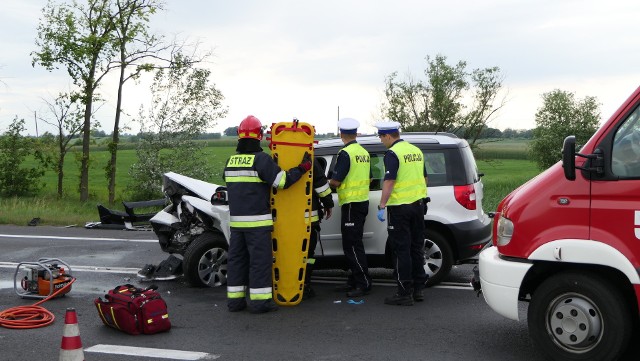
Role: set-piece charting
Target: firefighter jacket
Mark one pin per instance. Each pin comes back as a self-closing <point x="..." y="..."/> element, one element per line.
<point x="410" y="185"/>
<point x="321" y="196"/>
<point x="249" y="177"/>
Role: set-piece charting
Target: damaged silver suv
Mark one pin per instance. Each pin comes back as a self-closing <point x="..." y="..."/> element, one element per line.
<point x="456" y="226"/>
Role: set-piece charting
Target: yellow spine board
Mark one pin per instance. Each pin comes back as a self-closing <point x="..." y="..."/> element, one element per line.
<point x="291" y="210"/>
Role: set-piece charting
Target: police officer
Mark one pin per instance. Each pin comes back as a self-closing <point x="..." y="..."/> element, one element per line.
<point x="351" y="177"/>
<point x="404" y="191"/>
<point x="321" y="206"/>
<point x="249" y="175"/>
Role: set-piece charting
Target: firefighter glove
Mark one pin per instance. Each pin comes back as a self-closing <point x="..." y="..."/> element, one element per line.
<point x="306" y="164"/>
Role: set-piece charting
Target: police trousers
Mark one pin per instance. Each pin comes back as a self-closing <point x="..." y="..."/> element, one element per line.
<point x="352" y="227"/>
<point x="405" y="225"/>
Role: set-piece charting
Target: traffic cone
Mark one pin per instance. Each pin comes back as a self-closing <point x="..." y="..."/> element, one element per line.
<point x="71" y="347"/>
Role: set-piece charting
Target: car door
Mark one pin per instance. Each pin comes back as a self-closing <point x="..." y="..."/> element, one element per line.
<point x="615" y="200"/>
<point x="375" y="232"/>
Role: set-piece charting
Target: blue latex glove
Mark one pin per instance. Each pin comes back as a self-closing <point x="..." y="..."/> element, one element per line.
<point x="381" y="215"/>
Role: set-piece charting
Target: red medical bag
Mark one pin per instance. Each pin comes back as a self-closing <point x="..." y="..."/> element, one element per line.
<point x="134" y="310"/>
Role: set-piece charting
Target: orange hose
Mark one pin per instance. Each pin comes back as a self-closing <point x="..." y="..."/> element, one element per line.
<point x="33" y="316"/>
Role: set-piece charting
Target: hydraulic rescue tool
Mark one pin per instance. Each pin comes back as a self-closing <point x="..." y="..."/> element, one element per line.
<point x="42" y="279"/>
<point x="291" y="211"/>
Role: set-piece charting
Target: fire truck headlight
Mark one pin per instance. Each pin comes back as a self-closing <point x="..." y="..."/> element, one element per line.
<point x="505" y="231"/>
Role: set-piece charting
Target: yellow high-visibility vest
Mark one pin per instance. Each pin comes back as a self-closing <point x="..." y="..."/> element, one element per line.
<point x="410" y="185"/>
<point x="355" y="186"/>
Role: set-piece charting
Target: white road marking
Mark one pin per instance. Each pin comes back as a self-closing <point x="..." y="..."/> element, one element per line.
<point x="391" y="283"/>
<point x="151" y="352"/>
<point x="81" y="238"/>
<point x="320" y="279"/>
<point x="123" y="270"/>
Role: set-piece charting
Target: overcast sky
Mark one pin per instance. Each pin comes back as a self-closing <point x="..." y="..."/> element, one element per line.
<point x="281" y="59"/>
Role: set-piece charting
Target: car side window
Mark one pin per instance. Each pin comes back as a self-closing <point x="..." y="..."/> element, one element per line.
<point x="625" y="153"/>
<point x="435" y="163"/>
<point x="377" y="171"/>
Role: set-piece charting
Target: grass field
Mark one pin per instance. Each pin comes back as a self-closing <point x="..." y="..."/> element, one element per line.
<point x="507" y="169"/>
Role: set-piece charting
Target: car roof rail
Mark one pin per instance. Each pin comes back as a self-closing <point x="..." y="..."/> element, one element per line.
<point x="447" y="134"/>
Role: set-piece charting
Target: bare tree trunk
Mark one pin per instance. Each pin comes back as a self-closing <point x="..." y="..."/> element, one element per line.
<point x="60" y="166"/>
<point x="113" y="147"/>
<point x="86" y="139"/>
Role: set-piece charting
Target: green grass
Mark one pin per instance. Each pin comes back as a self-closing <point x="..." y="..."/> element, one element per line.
<point x="502" y="175"/>
<point x="502" y="149"/>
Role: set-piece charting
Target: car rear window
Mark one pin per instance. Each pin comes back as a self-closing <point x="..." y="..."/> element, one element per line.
<point x="437" y="162"/>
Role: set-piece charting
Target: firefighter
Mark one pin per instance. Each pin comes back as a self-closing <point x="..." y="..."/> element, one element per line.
<point x="249" y="175"/>
<point x="321" y="206"/>
<point x="351" y="177"/>
<point x="404" y="192"/>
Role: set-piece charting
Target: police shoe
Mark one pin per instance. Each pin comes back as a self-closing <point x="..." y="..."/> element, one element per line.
<point x="344" y="288"/>
<point x="358" y="292"/>
<point x="418" y="295"/>
<point x="399" y="300"/>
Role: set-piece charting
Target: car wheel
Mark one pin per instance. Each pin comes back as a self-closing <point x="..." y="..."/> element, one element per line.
<point x="438" y="257"/>
<point x="205" y="261"/>
<point x="579" y="316"/>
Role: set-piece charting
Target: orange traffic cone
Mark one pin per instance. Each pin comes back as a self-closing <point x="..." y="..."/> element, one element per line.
<point x="71" y="347"/>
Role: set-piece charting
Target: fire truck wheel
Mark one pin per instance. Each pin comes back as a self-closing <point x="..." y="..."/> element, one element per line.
<point x="579" y="316"/>
<point x="438" y="257"/>
<point x="205" y="261"/>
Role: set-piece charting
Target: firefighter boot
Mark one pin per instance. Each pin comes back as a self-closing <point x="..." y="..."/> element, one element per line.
<point x="263" y="307"/>
<point x="308" y="292"/>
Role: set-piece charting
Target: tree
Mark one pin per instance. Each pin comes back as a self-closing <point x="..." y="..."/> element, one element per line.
<point x="133" y="43"/>
<point x="184" y="104"/>
<point x="561" y="115"/>
<point x="16" y="180"/>
<point x="78" y="37"/>
<point x="436" y="104"/>
<point x="231" y="131"/>
<point x="68" y="120"/>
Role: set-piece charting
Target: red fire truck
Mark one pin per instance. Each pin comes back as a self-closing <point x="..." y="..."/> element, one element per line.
<point x="568" y="242"/>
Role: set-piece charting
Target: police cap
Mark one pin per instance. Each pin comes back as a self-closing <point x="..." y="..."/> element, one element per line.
<point x="348" y="125"/>
<point x="387" y="127"/>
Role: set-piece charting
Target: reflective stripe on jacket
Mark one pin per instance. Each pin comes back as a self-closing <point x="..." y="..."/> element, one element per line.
<point x="355" y="186"/>
<point x="409" y="185"/>
<point x="249" y="177"/>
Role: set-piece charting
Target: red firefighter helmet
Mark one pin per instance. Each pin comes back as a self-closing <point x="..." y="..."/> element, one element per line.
<point x="250" y="127"/>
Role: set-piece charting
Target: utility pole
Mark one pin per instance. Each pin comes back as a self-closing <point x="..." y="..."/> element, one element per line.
<point x="35" y="119"/>
<point x="337" y="126"/>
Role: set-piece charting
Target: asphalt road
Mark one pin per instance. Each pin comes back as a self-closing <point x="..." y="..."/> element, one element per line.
<point x="452" y="323"/>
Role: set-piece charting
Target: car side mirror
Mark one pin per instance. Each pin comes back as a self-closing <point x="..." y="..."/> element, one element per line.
<point x="569" y="157"/>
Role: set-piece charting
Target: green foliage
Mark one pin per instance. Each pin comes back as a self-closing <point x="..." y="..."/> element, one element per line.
<point x="231" y="131"/>
<point x="134" y="43"/>
<point x="68" y="119"/>
<point x="79" y="37"/>
<point x="562" y="115"/>
<point x="184" y="104"/>
<point x="16" y="180"/>
<point x="437" y="104"/>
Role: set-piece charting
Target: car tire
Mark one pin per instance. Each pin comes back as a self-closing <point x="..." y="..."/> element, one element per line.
<point x="579" y="316"/>
<point x="205" y="261"/>
<point x="438" y="257"/>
